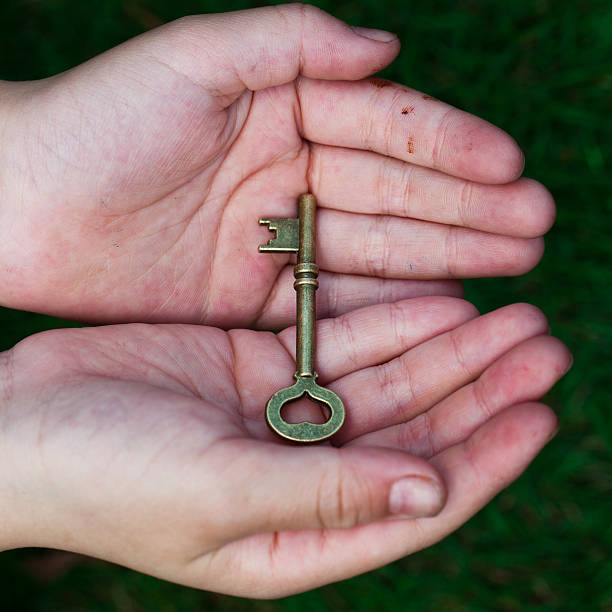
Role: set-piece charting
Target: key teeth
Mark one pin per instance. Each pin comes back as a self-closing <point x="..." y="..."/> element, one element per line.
<point x="279" y="244"/>
<point x="270" y="225"/>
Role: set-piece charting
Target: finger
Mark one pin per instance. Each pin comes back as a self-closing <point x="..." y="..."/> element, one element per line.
<point x="279" y="487"/>
<point x="342" y="293"/>
<point x="491" y="458"/>
<point x="376" y="334"/>
<point x="525" y="373"/>
<point x="356" y="340"/>
<point x="377" y="115"/>
<point x="269" y="46"/>
<point x="364" y="182"/>
<point x="284" y="563"/>
<point x="392" y="247"/>
<point x="401" y="389"/>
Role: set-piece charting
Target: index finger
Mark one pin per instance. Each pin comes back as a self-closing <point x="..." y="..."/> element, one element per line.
<point x="381" y="116"/>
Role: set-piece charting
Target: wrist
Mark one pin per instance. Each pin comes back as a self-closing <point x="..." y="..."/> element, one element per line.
<point x="10" y="511"/>
<point x="16" y="188"/>
<point x="26" y="499"/>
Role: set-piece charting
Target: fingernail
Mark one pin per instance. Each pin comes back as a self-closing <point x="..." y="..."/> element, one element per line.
<point x="569" y="365"/>
<point x="378" y="35"/>
<point x="415" y="496"/>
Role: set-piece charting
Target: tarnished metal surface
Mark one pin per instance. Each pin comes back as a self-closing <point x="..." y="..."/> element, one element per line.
<point x="298" y="235"/>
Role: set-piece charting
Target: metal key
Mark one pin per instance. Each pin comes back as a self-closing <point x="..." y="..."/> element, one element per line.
<point x="298" y="236"/>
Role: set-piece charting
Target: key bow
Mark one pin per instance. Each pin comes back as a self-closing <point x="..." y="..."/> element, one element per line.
<point x="305" y="431"/>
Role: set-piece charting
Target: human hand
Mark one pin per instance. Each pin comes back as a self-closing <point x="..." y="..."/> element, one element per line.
<point x="147" y="445"/>
<point x="133" y="183"/>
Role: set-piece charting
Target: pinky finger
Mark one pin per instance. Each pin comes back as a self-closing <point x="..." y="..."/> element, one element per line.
<point x="493" y="457"/>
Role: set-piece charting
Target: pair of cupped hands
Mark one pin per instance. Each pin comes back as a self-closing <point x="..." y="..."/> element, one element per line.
<point x="130" y="192"/>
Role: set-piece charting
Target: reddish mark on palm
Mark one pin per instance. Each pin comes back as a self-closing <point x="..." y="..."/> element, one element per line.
<point x="407" y="110"/>
<point x="425" y="97"/>
<point x="410" y="145"/>
<point x="380" y="83"/>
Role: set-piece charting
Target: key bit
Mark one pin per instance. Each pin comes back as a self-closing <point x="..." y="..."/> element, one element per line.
<point x="298" y="235"/>
<point x="286" y="239"/>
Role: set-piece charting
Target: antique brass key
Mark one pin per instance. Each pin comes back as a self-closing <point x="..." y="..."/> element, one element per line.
<point x="298" y="236"/>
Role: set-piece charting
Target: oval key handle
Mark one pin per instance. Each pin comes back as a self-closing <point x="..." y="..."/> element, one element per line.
<point x="305" y="431"/>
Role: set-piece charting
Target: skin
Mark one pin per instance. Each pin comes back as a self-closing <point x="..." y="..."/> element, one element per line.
<point x="149" y="446"/>
<point x="132" y="193"/>
<point x="133" y="184"/>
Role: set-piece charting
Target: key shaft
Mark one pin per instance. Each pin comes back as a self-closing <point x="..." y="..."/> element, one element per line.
<point x="306" y="284"/>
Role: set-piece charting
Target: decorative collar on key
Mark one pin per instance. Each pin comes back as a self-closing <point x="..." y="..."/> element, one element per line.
<point x="298" y="236"/>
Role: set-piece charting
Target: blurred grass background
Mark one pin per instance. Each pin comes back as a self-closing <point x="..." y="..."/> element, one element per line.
<point x="540" y="69"/>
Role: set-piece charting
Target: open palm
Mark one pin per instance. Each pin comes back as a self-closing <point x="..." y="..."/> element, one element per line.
<point x="149" y="448"/>
<point x="134" y="182"/>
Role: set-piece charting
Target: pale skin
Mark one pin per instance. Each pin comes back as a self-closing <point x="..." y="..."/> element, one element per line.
<point x="146" y="445"/>
<point x="132" y="193"/>
<point x="133" y="183"/>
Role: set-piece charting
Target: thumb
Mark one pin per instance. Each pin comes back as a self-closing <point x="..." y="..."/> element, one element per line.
<point x="285" y="488"/>
<point x="269" y="46"/>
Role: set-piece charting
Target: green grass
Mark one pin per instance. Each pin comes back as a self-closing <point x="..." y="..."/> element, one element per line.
<point x="542" y="71"/>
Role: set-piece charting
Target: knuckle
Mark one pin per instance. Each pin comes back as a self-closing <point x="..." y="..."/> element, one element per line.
<point x="386" y="250"/>
<point x="456" y="346"/>
<point x="341" y="498"/>
<point x="452" y="251"/>
<point x="417" y="436"/>
<point x="367" y="127"/>
<point x="347" y="338"/>
<point x="386" y="383"/>
<point x="370" y="249"/>
<point x="287" y="12"/>
<point x="480" y="393"/>
<point x="394" y="188"/>
<point x="397" y="322"/>
<point x="407" y="191"/>
<point x="383" y="187"/>
<point x="426" y="445"/>
<point x="332" y="299"/>
<point x="389" y="124"/>
<point x="465" y="210"/>
<point x="379" y="125"/>
<point x="442" y="131"/>
<point x="303" y="13"/>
